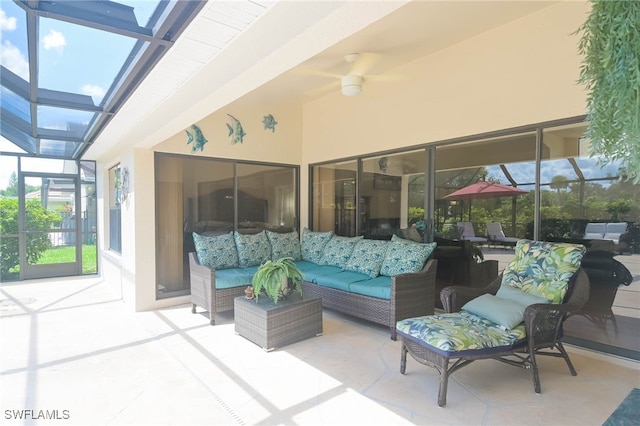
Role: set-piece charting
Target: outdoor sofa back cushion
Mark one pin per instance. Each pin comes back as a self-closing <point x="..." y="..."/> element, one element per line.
<point x="338" y="250"/>
<point x="284" y="245"/>
<point x="313" y="244"/>
<point x="216" y="252"/>
<point x="405" y="256"/>
<point x="252" y="249"/>
<point x="543" y="269"/>
<point x="367" y="257"/>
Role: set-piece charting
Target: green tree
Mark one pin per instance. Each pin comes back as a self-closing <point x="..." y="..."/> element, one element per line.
<point x="38" y="218"/>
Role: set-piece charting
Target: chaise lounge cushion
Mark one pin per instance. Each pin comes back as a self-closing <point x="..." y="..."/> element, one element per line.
<point x="405" y="256"/>
<point x="284" y="245"/>
<point x="367" y="257"/>
<point x="543" y="269"/>
<point x="252" y="249"/>
<point x="313" y="243"/>
<point x="457" y="333"/>
<point x="216" y="252"/>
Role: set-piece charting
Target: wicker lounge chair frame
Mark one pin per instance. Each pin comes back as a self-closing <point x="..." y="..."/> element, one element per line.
<point x="543" y="323"/>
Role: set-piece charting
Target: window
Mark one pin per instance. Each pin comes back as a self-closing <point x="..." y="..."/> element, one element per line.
<point x="115" y="201"/>
<point x="211" y="196"/>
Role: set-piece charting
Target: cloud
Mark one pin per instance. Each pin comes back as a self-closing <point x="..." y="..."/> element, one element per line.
<point x="94" y="91"/>
<point x="54" y="40"/>
<point x="12" y="59"/>
<point x="7" y="24"/>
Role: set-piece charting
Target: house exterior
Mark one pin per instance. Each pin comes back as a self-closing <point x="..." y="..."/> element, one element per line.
<point x="519" y="69"/>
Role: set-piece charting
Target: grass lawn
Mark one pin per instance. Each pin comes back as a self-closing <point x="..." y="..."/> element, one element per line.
<point x="68" y="255"/>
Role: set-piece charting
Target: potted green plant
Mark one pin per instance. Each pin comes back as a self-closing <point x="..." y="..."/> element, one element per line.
<point x="273" y="276"/>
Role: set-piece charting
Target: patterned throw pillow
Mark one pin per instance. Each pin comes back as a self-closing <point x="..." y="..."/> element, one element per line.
<point x="338" y="250"/>
<point x="367" y="257"/>
<point x="284" y="245"/>
<point x="313" y="244"/>
<point x="405" y="256"/>
<point x="543" y="269"/>
<point x="252" y="249"/>
<point x="216" y="252"/>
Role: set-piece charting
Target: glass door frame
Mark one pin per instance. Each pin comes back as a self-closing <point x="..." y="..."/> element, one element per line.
<point x="50" y="270"/>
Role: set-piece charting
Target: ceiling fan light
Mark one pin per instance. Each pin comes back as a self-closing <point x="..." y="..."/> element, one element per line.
<point x="352" y="84"/>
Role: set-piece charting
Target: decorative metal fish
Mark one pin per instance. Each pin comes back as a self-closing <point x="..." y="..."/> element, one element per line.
<point x="200" y="140"/>
<point x="269" y="122"/>
<point x="235" y="130"/>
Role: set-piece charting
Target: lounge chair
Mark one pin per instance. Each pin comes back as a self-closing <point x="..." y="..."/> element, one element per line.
<point x="515" y="318"/>
<point x="467" y="233"/>
<point x="496" y="235"/>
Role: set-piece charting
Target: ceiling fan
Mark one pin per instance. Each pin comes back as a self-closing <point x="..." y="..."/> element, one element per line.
<point x="351" y="83"/>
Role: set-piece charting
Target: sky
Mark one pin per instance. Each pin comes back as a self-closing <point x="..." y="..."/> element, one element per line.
<point x="72" y="58"/>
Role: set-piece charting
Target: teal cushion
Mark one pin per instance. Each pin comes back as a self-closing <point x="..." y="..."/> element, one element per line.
<point x="504" y="312"/>
<point x="216" y="252"/>
<point x="517" y="295"/>
<point x="252" y="249"/>
<point x="379" y="287"/>
<point x="543" y="269"/>
<point x="284" y="245"/>
<point x="367" y="257"/>
<point x="237" y="277"/>
<point x="405" y="256"/>
<point x="341" y="280"/>
<point x="313" y="244"/>
<point x="338" y="250"/>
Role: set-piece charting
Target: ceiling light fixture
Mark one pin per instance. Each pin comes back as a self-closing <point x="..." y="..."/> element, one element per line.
<point x="352" y="84"/>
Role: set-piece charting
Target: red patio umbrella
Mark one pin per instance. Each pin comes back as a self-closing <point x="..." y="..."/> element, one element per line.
<point x="483" y="190"/>
<point x="480" y="190"/>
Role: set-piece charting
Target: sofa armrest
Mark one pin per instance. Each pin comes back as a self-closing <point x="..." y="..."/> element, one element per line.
<point x="413" y="294"/>
<point x="203" y="286"/>
<point x="454" y="297"/>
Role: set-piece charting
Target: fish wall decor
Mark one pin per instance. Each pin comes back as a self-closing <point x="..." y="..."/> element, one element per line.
<point x="269" y="123"/>
<point x="196" y="138"/>
<point x="236" y="132"/>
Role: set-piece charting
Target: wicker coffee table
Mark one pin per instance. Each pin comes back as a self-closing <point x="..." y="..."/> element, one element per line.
<point x="270" y="325"/>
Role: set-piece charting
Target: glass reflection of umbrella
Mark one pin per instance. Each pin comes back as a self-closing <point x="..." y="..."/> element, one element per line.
<point x="484" y="190"/>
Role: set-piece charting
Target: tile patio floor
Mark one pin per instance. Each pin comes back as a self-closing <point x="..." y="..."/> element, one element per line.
<point x="71" y="344"/>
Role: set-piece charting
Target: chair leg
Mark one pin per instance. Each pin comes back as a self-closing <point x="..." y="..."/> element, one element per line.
<point x="565" y="355"/>
<point x="534" y="370"/>
<point x="444" y="380"/>
<point x="403" y="359"/>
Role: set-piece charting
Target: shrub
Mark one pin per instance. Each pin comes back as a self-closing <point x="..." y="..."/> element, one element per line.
<point x="38" y="218"/>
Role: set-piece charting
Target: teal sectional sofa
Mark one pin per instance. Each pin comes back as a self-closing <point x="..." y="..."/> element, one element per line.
<point x="379" y="281"/>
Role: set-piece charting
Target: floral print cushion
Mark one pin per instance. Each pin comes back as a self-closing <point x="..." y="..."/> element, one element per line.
<point x="313" y="244"/>
<point x="252" y="249"/>
<point x="405" y="256"/>
<point x="338" y="250"/>
<point x="460" y="331"/>
<point x="543" y="269"/>
<point x="367" y="257"/>
<point x="284" y="245"/>
<point x="216" y="252"/>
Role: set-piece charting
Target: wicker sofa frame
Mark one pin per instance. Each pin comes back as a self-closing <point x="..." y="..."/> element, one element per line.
<point x="204" y="292"/>
<point x="543" y="323"/>
<point x="412" y="295"/>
